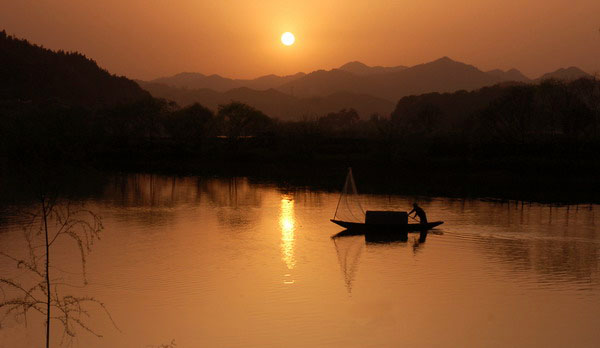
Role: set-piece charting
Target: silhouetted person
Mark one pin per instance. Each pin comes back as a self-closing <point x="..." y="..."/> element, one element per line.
<point x="419" y="212"/>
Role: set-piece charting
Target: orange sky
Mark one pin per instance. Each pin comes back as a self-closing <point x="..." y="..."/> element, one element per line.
<point x="240" y="38"/>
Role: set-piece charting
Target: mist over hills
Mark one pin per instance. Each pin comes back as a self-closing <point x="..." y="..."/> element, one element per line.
<point x="355" y="85"/>
<point x="391" y="83"/>
<point x="273" y="102"/>
<point x="223" y="84"/>
<point x="442" y="75"/>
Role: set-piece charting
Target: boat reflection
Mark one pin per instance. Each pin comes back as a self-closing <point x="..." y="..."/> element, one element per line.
<point x="387" y="237"/>
<point x="287" y="223"/>
<point x="384" y="236"/>
<point x="349" y="247"/>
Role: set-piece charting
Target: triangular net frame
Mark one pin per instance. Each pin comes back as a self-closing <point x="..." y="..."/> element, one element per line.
<point x="349" y="208"/>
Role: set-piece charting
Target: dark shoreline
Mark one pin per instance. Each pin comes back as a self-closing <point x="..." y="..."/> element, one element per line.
<point x="456" y="178"/>
<point x="442" y="178"/>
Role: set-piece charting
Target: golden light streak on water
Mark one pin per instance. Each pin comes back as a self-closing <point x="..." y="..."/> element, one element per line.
<point x="287" y="223"/>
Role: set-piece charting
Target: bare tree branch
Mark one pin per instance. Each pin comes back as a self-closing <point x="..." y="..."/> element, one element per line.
<point x="52" y="221"/>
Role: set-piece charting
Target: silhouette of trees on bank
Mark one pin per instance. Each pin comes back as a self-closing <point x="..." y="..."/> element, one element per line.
<point x="554" y="118"/>
<point x="239" y="120"/>
<point x="513" y="113"/>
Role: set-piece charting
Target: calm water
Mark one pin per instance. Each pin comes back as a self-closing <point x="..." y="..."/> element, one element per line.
<point x="227" y="263"/>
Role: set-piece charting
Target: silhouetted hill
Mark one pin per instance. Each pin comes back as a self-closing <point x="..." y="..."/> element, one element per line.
<point x="359" y="68"/>
<point x="273" y="102"/>
<point x="510" y="75"/>
<point x="514" y="112"/>
<point x="321" y="82"/>
<point x="568" y="74"/>
<point x="446" y="111"/>
<point x="223" y="84"/>
<point x="442" y="75"/>
<point x="270" y="81"/>
<point x="197" y="81"/>
<point x="32" y="73"/>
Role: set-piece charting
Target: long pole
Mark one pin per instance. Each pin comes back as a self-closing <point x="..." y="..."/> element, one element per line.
<point x="47" y="272"/>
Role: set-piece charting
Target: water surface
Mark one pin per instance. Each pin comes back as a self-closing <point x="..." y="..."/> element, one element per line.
<point x="229" y="263"/>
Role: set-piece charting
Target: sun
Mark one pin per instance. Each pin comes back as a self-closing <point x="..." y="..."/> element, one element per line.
<point x="287" y="38"/>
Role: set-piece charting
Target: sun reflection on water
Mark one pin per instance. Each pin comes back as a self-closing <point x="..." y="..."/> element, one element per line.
<point x="287" y="224"/>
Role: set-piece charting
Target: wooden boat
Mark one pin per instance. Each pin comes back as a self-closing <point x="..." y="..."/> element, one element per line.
<point x="372" y="222"/>
<point x="361" y="226"/>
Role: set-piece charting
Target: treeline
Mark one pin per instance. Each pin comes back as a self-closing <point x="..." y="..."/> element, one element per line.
<point x="546" y="122"/>
<point x="519" y="113"/>
<point x="550" y="121"/>
<point x="521" y="142"/>
<point x="148" y="128"/>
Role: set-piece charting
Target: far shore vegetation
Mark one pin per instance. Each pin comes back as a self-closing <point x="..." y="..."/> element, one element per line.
<point x="545" y="137"/>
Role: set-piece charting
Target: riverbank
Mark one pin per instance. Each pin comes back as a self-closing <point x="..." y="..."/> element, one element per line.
<point x="514" y="179"/>
<point x="561" y="181"/>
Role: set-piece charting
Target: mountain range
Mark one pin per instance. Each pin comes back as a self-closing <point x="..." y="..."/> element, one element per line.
<point x="368" y="89"/>
<point x="32" y="73"/>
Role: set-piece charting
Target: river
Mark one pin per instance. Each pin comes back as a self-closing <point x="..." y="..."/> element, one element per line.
<point x="228" y="262"/>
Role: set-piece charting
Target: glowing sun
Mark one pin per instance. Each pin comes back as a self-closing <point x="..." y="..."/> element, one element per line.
<point x="287" y="38"/>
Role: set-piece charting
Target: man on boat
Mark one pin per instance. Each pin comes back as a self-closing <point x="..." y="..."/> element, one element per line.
<point x="419" y="212"/>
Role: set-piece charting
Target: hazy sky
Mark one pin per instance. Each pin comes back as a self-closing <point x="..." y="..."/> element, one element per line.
<point x="240" y="38"/>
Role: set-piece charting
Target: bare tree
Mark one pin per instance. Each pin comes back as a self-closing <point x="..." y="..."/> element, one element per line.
<point x="51" y="221"/>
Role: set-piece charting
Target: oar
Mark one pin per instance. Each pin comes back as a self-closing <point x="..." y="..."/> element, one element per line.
<point x="413" y="218"/>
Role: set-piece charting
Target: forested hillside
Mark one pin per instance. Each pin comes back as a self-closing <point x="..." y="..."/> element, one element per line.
<point x="32" y="73"/>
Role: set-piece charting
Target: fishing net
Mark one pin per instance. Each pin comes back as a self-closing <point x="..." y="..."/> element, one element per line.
<point x="349" y="208"/>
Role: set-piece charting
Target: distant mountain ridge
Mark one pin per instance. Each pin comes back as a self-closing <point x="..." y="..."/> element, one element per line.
<point x="392" y="83"/>
<point x="223" y="84"/>
<point x="568" y="74"/>
<point x="359" y="68"/>
<point x="32" y="73"/>
<point x="377" y="86"/>
<point x="509" y="75"/>
<point x="442" y="75"/>
<point x="355" y="77"/>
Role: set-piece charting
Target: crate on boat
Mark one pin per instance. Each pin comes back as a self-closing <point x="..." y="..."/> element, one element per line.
<point x="378" y="217"/>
